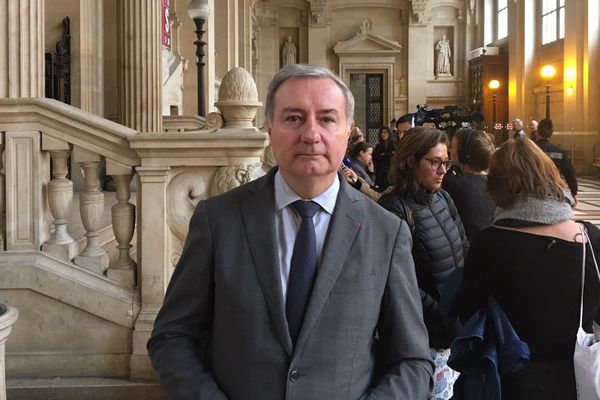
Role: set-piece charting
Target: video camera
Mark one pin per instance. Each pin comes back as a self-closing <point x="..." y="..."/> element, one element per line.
<point x="447" y="117"/>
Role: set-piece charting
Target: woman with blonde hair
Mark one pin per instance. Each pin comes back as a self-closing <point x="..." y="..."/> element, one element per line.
<point x="530" y="261"/>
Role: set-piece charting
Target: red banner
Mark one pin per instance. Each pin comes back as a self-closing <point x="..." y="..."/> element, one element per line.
<point x="166" y="24"/>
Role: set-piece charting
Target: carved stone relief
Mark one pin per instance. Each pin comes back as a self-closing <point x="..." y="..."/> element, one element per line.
<point x="184" y="192"/>
<point x="419" y="9"/>
<point x="232" y="176"/>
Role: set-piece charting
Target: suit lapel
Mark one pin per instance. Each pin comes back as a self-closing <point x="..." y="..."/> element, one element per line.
<point x="259" y="223"/>
<point x="343" y="228"/>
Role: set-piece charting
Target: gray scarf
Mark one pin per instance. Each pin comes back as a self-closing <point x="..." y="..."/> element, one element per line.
<point x="541" y="211"/>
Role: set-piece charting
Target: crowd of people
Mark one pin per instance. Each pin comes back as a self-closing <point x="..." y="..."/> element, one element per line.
<point x="297" y="286"/>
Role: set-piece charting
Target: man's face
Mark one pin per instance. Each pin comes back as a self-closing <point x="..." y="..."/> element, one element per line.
<point x="517" y="126"/>
<point x="309" y="131"/>
<point x="533" y="126"/>
<point x="402" y="128"/>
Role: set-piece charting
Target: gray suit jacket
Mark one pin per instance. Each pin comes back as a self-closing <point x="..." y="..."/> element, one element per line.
<point x="222" y="331"/>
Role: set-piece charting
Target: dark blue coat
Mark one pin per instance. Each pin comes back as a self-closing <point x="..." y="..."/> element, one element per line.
<point x="486" y="348"/>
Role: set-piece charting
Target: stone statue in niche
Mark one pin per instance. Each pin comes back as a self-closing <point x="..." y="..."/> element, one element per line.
<point x="289" y="52"/>
<point x="443" y="57"/>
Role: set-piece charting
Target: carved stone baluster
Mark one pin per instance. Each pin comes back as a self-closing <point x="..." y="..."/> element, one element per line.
<point x="60" y="198"/>
<point x="122" y="268"/>
<point x="91" y="207"/>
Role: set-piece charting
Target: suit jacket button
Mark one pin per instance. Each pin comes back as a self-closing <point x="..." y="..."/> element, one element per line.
<point x="294" y="375"/>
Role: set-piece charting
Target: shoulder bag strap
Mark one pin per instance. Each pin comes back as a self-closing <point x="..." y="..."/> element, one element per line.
<point x="585" y="239"/>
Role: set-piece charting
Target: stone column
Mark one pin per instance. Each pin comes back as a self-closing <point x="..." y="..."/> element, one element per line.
<point x="417" y="58"/>
<point x="139" y="73"/>
<point x="576" y="85"/>
<point x="22" y="48"/>
<point x="153" y="259"/>
<point x="8" y="316"/>
<point x="592" y="110"/>
<point x="2" y="195"/>
<point x="92" y="56"/>
<point x="521" y="75"/>
<point x="318" y="32"/>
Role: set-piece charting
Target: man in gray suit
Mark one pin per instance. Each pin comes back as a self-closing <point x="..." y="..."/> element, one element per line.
<point x="232" y="325"/>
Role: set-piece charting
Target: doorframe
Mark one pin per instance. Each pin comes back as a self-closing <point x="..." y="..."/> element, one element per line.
<point x="366" y="67"/>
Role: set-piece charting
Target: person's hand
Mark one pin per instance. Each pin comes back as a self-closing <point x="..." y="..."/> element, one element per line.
<point x="350" y="175"/>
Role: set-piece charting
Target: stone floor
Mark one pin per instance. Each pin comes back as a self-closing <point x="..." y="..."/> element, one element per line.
<point x="588" y="196"/>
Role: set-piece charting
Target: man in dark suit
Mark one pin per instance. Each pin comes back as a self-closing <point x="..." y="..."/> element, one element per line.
<point x="557" y="154"/>
<point x="242" y="319"/>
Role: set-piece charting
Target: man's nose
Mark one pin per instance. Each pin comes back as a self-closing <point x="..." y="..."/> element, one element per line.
<point x="311" y="131"/>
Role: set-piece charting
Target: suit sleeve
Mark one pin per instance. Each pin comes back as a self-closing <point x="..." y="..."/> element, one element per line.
<point x="178" y="346"/>
<point x="408" y="368"/>
<point x="568" y="172"/>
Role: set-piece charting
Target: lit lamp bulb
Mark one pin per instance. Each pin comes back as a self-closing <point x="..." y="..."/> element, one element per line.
<point x="548" y="71"/>
<point x="494" y="84"/>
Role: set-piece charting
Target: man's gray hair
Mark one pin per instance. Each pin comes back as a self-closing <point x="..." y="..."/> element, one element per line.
<point x="303" y="71"/>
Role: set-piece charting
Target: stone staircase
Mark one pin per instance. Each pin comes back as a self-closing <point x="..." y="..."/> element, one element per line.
<point x="82" y="389"/>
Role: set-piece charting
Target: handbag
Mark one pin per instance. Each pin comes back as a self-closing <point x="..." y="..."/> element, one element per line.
<point x="586" y="359"/>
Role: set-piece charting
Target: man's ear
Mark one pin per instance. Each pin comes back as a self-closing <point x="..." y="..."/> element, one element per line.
<point x="268" y="126"/>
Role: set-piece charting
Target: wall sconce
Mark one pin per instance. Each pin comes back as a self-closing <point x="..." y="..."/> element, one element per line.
<point x="570" y="90"/>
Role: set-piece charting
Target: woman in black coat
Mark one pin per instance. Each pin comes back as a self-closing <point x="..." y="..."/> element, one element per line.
<point x="439" y="241"/>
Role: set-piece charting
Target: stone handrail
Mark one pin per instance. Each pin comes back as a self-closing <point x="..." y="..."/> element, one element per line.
<point x="38" y="129"/>
<point x="71" y="125"/>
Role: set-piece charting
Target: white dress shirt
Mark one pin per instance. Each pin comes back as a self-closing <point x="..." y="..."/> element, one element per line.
<point x="287" y="222"/>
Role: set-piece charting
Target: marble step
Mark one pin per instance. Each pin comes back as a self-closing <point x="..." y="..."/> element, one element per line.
<point x="82" y="388"/>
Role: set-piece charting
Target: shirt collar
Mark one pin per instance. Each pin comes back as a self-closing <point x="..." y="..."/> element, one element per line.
<point x="284" y="195"/>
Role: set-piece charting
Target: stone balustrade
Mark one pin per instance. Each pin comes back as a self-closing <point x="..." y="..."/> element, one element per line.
<point x="8" y="316"/>
<point x="192" y="159"/>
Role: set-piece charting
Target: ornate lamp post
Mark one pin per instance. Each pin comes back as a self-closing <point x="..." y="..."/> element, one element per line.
<point x="494" y="85"/>
<point x="548" y="71"/>
<point x="199" y="10"/>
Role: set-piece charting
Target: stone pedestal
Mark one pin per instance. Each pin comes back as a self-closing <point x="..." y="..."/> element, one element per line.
<point x="8" y="316"/>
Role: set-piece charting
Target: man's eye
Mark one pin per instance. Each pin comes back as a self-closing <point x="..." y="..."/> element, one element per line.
<point x="292" y="118"/>
<point x="328" y="120"/>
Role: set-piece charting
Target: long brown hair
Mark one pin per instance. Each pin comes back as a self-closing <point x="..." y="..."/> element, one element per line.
<point x="415" y="144"/>
<point x="520" y="169"/>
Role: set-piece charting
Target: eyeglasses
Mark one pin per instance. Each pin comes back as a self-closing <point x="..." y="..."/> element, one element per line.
<point x="436" y="162"/>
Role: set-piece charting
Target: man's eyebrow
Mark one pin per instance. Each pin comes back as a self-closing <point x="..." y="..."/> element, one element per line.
<point x="292" y="109"/>
<point x="298" y="109"/>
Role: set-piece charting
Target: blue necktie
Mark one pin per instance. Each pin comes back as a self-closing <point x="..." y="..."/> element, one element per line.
<point x="303" y="267"/>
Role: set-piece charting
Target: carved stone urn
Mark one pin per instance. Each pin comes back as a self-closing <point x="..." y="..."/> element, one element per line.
<point x="238" y="99"/>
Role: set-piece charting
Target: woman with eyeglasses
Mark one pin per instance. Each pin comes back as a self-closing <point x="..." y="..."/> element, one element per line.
<point x="439" y="243"/>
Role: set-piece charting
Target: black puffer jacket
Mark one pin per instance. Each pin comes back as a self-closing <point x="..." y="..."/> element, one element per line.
<point x="439" y="248"/>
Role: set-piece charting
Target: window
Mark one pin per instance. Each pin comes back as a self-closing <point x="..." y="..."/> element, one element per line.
<point x="502" y="19"/>
<point x="553" y="20"/>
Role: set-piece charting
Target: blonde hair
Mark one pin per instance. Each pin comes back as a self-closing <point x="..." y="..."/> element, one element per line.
<point x="521" y="169"/>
